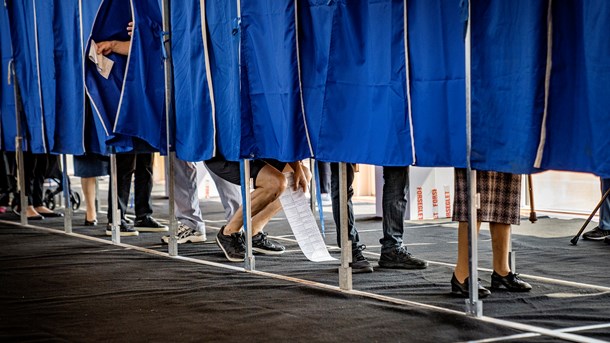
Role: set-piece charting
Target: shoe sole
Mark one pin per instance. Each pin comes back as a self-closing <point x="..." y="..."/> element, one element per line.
<point x="362" y="270"/>
<point x="400" y="266"/>
<point x="151" y="229"/>
<point x="268" y="252"/>
<point x="185" y="240"/>
<point x="124" y="234"/>
<point x="232" y="259"/>
<point x="594" y="238"/>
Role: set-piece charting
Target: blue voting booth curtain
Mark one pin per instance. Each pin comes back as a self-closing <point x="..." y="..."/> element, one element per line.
<point x="69" y="77"/>
<point x="32" y="38"/>
<point x="110" y="24"/>
<point x="142" y="109"/>
<point x="436" y="65"/>
<point x="508" y="72"/>
<point x="354" y="80"/>
<point x="130" y="103"/>
<point x="578" y="123"/>
<point x="273" y="124"/>
<point x="7" y="96"/>
<point x="223" y="27"/>
<point x="194" y="124"/>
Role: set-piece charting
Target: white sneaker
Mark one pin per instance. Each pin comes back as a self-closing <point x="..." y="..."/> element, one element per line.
<point x="186" y="235"/>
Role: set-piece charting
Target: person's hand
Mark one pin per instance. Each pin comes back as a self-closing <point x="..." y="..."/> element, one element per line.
<point x="105" y="48"/>
<point x="130" y="28"/>
<point x="300" y="178"/>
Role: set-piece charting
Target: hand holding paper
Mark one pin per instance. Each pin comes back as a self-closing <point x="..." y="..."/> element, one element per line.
<point x="103" y="63"/>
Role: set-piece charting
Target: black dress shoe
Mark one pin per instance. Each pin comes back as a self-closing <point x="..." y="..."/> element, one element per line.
<point x="53" y="214"/>
<point x="511" y="282"/>
<point x="36" y="217"/>
<point x="461" y="289"/>
<point x="91" y="223"/>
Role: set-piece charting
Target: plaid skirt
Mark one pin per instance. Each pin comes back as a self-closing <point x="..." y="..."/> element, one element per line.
<point x="500" y="197"/>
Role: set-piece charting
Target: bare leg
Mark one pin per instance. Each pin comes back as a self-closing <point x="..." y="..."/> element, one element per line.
<point x="31" y="212"/>
<point x="88" y="186"/>
<point x="270" y="183"/>
<point x="461" y="270"/>
<point x="500" y="244"/>
<point x="262" y="218"/>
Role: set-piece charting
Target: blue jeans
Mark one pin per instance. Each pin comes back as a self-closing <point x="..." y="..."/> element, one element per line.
<point x="352" y="233"/>
<point x="395" y="187"/>
<point x="604" y="210"/>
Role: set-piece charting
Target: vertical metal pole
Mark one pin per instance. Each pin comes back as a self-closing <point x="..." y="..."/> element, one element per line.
<point x="67" y="199"/>
<point x="169" y="120"/>
<point x="345" y="270"/>
<point x="116" y="214"/>
<point x="249" y="261"/>
<point x="474" y="306"/>
<point x="23" y="203"/>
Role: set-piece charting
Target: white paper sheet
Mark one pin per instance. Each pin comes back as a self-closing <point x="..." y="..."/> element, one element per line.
<point x="303" y="224"/>
<point x="103" y="63"/>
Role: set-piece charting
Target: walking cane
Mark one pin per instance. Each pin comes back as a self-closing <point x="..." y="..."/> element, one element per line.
<point x="575" y="239"/>
<point x="530" y="187"/>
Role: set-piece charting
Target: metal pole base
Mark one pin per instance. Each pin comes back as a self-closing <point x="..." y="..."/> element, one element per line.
<point x="345" y="278"/>
<point x="475" y="308"/>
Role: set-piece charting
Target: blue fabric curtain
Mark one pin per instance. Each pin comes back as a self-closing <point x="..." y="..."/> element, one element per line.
<point x="354" y="80"/>
<point x="32" y="38"/>
<point x="508" y="72"/>
<point x="69" y="124"/>
<point x="194" y="123"/>
<point x="130" y="104"/>
<point x="7" y="96"/>
<point x="436" y="65"/>
<point x="142" y="110"/>
<point x="224" y="34"/>
<point x="273" y="124"/>
<point x="578" y="122"/>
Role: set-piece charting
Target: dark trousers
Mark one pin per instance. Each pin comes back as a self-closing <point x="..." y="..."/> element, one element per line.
<point x="352" y="233"/>
<point x="140" y="167"/>
<point x="324" y="171"/>
<point x="395" y="187"/>
<point x="35" y="169"/>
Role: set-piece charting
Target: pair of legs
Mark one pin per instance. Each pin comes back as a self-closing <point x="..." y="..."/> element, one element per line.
<point x="269" y="184"/>
<point x="35" y="168"/>
<point x="138" y="165"/>
<point x="500" y="245"/>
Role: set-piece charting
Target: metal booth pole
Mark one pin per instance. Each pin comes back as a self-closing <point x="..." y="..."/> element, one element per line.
<point x="474" y="306"/>
<point x="23" y="203"/>
<point x="249" y="261"/>
<point x="169" y="106"/>
<point x="67" y="199"/>
<point x="116" y="214"/>
<point x="345" y="270"/>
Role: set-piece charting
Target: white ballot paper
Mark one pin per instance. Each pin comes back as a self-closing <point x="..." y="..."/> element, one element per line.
<point x="303" y="224"/>
<point x="103" y="63"/>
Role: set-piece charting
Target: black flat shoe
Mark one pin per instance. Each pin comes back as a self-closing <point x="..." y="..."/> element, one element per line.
<point x="461" y="289"/>
<point x="52" y="214"/>
<point x="511" y="282"/>
<point x="91" y="223"/>
<point x="36" y="217"/>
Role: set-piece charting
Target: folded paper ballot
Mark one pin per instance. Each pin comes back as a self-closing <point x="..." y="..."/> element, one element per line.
<point x="103" y="63"/>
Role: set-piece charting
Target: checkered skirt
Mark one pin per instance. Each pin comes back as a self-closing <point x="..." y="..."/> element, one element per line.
<point x="500" y="197"/>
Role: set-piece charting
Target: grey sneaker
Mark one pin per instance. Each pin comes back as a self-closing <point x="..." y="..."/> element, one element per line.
<point x="399" y="258"/>
<point x="596" y="234"/>
<point x="359" y="263"/>
<point x="261" y="244"/>
<point x="186" y="235"/>
<point x="232" y="246"/>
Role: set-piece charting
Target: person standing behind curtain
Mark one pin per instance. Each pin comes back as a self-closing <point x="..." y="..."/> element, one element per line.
<point x="602" y="230"/>
<point x="500" y="196"/>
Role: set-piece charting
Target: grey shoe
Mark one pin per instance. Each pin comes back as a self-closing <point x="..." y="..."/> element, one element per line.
<point x="359" y="263"/>
<point x="186" y="235"/>
<point x="399" y="258"/>
<point x="233" y="246"/>
<point x="596" y="234"/>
